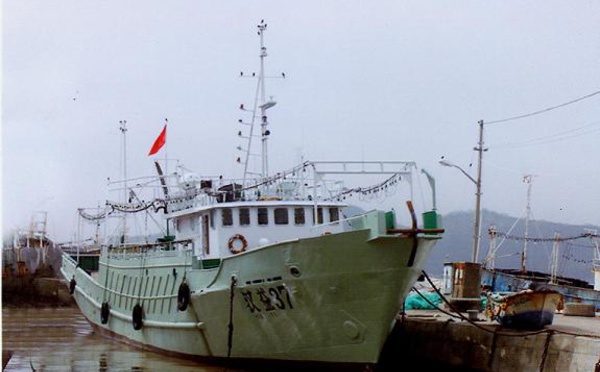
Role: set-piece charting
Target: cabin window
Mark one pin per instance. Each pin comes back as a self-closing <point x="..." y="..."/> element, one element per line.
<point x="205" y="234"/>
<point x="244" y="216"/>
<point x="176" y="223"/>
<point x="226" y="217"/>
<point x="299" y="216"/>
<point x="263" y="216"/>
<point x="334" y="214"/>
<point x="281" y="216"/>
<point x="319" y="215"/>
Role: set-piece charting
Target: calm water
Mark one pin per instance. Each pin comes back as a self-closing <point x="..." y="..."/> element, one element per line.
<point x="60" y="339"/>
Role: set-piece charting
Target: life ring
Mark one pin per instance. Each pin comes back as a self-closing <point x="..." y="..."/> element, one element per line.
<point x="183" y="296"/>
<point x="104" y="312"/>
<point x="137" y="317"/>
<point x="72" y="285"/>
<point x="232" y="241"/>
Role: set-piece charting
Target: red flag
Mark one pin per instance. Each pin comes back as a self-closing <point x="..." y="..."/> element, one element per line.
<point x="159" y="142"/>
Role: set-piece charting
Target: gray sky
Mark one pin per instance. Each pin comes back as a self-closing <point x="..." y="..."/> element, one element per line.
<point x="392" y="80"/>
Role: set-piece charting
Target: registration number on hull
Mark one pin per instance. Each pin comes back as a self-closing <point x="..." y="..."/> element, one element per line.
<point x="267" y="299"/>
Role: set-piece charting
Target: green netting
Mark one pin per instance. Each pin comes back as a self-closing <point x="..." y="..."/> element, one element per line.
<point x="415" y="302"/>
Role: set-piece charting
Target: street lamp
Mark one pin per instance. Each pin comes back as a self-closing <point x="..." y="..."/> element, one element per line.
<point x="476" y="225"/>
<point x="477" y="220"/>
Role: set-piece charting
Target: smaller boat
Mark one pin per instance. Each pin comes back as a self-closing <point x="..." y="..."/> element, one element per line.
<point x="31" y="263"/>
<point x="30" y="252"/>
<point x="528" y="309"/>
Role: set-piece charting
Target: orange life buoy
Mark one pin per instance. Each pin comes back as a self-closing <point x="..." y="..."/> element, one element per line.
<point x="233" y="239"/>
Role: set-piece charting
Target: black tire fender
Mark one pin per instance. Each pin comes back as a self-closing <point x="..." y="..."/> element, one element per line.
<point x="137" y="317"/>
<point x="72" y="286"/>
<point x="183" y="297"/>
<point x="104" y="312"/>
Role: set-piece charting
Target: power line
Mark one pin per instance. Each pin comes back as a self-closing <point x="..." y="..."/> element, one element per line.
<point x="544" y="110"/>
<point x="577" y="132"/>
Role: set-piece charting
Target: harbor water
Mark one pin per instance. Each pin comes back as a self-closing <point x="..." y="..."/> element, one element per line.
<point x="60" y="339"/>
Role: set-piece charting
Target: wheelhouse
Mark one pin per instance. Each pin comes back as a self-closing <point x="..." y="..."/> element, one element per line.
<point x="226" y="229"/>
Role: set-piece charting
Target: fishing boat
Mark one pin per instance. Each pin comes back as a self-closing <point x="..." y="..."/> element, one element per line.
<point x="510" y="280"/>
<point x="573" y="290"/>
<point x="267" y="268"/>
<point x="31" y="262"/>
<point x="528" y="309"/>
<point x="30" y="251"/>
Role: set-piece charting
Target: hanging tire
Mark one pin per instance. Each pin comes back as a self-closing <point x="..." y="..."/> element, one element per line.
<point x="104" y="312"/>
<point x="183" y="297"/>
<point x="72" y="286"/>
<point x="137" y="317"/>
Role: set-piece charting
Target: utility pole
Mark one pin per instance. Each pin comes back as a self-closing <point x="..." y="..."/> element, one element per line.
<point x="477" y="222"/>
<point x="477" y="182"/>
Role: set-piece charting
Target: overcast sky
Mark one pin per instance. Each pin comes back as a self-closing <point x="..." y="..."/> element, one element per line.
<point x="372" y="80"/>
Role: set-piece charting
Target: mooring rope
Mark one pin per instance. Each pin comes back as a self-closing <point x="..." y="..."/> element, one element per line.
<point x="545" y="352"/>
<point x="144" y="256"/>
<point x="107" y="272"/>
<point x="472" y="322"/>
<point x="434" y="305"/>
<point x="230" y="335"/>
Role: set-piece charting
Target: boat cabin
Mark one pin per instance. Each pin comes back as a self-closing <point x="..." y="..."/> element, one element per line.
<point x="229" y="228"/>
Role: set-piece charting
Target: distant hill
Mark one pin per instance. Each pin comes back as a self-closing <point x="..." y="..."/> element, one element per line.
<point x="575" y="257"/>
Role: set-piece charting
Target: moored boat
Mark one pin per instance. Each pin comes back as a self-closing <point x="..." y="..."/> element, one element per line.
<point x="31" y="251"/>
<point x="513" y="280"/>
<point x="31" y="266"/>
<point x="270" y="267"/>
<point x="527" y="309"/>
<point x="573" y="290"/>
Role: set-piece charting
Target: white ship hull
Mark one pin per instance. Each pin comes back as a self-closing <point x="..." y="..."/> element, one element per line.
<point x="332" y="298"/>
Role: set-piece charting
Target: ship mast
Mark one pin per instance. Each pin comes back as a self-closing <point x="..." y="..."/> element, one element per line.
<point x="596" y="259"/>
<point x="261" y="105"/>
<point x="123" y="129"/>
<point x="528" y="180"/>
<point x="490" y="260"/>
<point x="554" y="264"/>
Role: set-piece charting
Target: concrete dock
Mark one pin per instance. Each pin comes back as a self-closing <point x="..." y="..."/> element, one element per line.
<point x="453" y="340"/>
